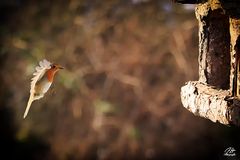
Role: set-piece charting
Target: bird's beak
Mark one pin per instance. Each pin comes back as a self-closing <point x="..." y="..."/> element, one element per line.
<point x="60" y="67"/>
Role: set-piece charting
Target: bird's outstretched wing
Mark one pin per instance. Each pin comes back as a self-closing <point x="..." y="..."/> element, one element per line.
<point x="44" y="65"/>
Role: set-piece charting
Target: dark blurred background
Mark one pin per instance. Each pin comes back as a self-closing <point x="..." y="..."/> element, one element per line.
<point x="118" y="97"/>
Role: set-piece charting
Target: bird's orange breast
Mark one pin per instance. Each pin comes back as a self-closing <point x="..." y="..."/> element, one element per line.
<point x="50" y="74"/>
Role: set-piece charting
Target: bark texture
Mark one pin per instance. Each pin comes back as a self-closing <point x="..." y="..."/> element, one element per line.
<point x="214" y="46"/>
<point x="211" y="103"/>
<point x="216" y="95"/>
<point x="235" y="55"/>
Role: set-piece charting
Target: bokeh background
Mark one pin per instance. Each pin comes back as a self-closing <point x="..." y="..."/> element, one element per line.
<point x="118" y="96"/>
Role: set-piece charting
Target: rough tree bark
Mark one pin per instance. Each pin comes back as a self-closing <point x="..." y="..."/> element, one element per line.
<point x="215" y="95"/>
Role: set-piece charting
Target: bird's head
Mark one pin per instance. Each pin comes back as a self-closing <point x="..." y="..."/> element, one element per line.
<point x="51" y="72"/>
<point x="56" y="67"/>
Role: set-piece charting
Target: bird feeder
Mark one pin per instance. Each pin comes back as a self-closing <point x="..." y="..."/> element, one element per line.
<point x="216" y="95"/>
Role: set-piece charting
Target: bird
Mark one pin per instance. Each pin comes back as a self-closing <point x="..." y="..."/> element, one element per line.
<point x="42" y="79"/>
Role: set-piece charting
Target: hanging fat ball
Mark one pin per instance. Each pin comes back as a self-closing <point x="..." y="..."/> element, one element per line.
<point x="41" y="82"/>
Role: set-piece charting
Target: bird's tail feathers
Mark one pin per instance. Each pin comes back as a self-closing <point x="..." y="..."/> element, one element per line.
<point x="31" y="99"/>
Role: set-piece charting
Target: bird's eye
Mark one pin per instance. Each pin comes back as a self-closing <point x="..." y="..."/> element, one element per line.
<point x="53" y="66"/>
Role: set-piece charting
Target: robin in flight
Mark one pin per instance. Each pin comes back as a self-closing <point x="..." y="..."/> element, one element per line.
<point x="41" y="82"/>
